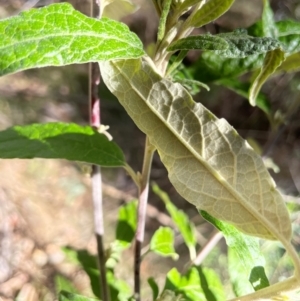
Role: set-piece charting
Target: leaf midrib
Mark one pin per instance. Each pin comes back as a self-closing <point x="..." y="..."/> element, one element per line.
<point x="218" y="177"/>
<point x="74" y="35"/>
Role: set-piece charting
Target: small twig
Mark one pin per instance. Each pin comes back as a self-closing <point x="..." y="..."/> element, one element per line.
<point x="94" y="111"/>
<point x="143" y="199"/>
<point x="211" y="243"/>
<point x="28" y="5"/>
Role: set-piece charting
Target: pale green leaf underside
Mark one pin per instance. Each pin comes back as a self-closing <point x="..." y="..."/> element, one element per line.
<point x="271" y="62"/>
<point x="232" y="45"/>
<point x="291" y="64"/>
<point x="117" y="9"/>
<point x="58" y="35"/>
<point x="208" y="163"/>
<point x="210" y="11"/>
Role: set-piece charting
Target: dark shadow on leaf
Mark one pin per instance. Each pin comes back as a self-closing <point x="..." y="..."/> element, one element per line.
<point x="258" y="278"/>
<point x="124" y="232"/>
<point x="205" y="287"/>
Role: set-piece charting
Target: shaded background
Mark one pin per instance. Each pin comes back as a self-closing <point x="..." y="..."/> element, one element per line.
<point x="46" y="204"/>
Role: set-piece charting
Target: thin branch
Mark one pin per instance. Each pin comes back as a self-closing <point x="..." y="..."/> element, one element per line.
<point x="143" y="199"/>
<point x="94" y="112"/>
<point x="211" y="243"/>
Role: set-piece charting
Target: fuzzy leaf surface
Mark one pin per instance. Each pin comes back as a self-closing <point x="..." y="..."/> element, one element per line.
<point x="208" y="163"/>
<point x="60" y="141"/>
<point x="272" y="61"/>
<point x="210" y="11"/>
<point x="232" y="45"/>
<point x="211" y="66"/>
<point x="290" y="43"/>
<point x="58" y="35"/>
<point x="202" y="42"/>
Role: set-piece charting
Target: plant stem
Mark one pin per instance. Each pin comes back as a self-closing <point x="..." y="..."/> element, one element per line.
<point x="294" y="256"/>
<point x="143" y="199"/>
<point x="211" y="243"/>
<point x="177" y="61"/>
<point x="99" y="229"/>
<point x="94" y="112"/>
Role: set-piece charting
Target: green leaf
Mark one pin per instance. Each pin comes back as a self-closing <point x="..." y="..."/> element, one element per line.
<point x="117" y="9"/>
<point x="212" y="67"/>
<point x="203" y="42"/>
<point x="258" y="278"/>
<point x="119" y="289"/>
<point x="66" y="296"/>
<point x="288" y="27"/>
<point x="196" y="285"/>
<point x="189" y="285"/>
<point x="154" y="288"/>
<point x="208" y="163"/>
<point x="60" y="141"/>
<point x="244" y="255"/>
<point x="163" y="19"/>
<point x="90" y="266"/>
<point x="58" y="35"/>
<point x="168" y="295"/>
<point x="181" y="74"/>
<point x="186" y="4"/>
<point x="256" y="30"/>
<point x="211" y="284"/>
<point x="181" y="220"/>
<point x="272" y="61"/>
<point x="235" y="44"/>
<point x="209" y="12"/>
<point x="291" y="64"/>
<point x="114" y="254"/>
<point x="290" y="43"/>
<point x="162" y="243"/>
<point x="64" y="284"/>
<point x="268" y="23"/>
<point x="126" y="226"/>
